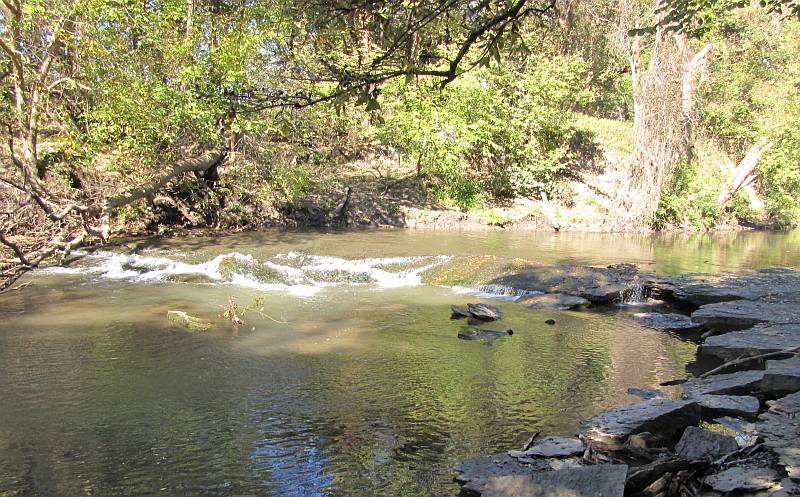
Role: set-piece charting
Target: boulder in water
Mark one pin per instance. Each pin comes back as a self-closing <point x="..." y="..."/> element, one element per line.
<point x="459" y="312"/>
<point x="484" y="312"/>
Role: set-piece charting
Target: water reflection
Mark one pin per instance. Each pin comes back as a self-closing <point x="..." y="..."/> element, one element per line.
<point x="360" y="392"/>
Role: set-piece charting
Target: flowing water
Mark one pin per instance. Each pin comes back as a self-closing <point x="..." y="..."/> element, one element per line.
<point x="350" y="382"/>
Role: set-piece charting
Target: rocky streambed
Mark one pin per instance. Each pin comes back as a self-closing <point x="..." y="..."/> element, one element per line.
<point x="734" y="430"/>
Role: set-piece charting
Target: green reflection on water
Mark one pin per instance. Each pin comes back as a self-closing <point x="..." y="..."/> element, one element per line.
<point x="360" y="392"/>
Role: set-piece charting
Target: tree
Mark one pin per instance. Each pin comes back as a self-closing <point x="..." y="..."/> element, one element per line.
<point x="108" y="102"/>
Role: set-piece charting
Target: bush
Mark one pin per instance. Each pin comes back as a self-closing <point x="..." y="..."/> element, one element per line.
<point x="492" y="132"/>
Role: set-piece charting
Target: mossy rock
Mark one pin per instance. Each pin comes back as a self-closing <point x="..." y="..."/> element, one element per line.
<point x="181" y="318"/>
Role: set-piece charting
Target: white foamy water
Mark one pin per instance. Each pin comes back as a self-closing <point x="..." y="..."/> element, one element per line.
<point x="293" y="273"/>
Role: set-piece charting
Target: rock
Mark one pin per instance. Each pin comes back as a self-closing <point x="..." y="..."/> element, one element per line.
<point x="742" y="382"/>
<point x="556" y="301"/>
<point x="673" y="322"/>
<point x="701" y="289"/>
<point x="473" y="473"/>
<point x="597" y="285"/>
<point x="551" y="322"/>
<point x="760" y="339"/>
<point x="661" y="417"/>
<point x="743" y="406"/>
<point x="459" y="312"/>
<point x="484" y="312"/>
<point x="697" y="443"/>
<point x="187" y="321"/>
<point x="556" y="447"/>
<point x="782" y="376"/>
<point x="740" y="314"/>
<point x="741" y="479"/>
<point x="646" y="393"/>
<point x="780" y="429"/>
<point x="743" y="431"/>
<point x="606" y="480"/>
<point x="476" y="334"/>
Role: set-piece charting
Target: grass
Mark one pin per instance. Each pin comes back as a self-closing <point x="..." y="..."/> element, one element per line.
<point x="614" y="136"/>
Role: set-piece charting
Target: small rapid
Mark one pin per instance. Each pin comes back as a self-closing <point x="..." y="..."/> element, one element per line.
<point x="295" y="273"/>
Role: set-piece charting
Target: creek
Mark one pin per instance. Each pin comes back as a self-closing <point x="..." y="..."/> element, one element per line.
<point x="351" y="382"/>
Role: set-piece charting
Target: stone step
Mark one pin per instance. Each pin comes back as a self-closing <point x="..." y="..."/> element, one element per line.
<point x="759" y="339"/>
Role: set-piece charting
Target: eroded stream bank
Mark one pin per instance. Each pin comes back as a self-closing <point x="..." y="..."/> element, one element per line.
<point x="734" y="429"/>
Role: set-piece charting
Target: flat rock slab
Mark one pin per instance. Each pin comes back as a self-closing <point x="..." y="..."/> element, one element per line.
<point x="472" y="474"/>
<point x="697" y="443"/>
<point x="742" y="382"/>
<point x="780" y="429"/>
<point x="759" y="339"/>
<point x="597" y="285"/>
<point x="556" y="447"/>
<point x="556" y="301"/>
<point x="740" y="314"/>
<point x="738" y="479"/>
<point x="606" y="480"/>
<point x="665" y="321"/>
<point x="782" y="376"/>
<point x="484" y="312"/>
<point x="701" y="289"/>
<point x="743" y="406"/>
<point x="663" y="418"/>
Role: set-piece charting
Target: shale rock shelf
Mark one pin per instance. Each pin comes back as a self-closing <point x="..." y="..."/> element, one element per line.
<point x="734" y="430"/>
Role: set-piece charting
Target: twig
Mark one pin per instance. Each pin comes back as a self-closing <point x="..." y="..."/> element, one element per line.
<point x="745" y="359"/>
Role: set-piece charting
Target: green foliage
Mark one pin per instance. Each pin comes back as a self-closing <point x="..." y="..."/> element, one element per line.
<point x="492" y="132"/>
<point x="692" y="198"/>
<point x="753" y="93"/>
<point x="780" y="176"/>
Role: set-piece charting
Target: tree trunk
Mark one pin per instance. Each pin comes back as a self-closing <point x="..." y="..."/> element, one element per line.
<point x="745" y="173"/>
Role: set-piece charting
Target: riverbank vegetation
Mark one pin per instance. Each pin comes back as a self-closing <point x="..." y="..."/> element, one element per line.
<point x="227" y="114"/>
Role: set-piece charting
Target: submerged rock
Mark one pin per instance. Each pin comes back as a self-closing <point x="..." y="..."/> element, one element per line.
<point x="697" y="443"/>
<point x="646" y="393"/>
<point x="555" y="301"/>
<point x="477" y="334"/>
<point x="188" y="321"/>
<point x="673" y="322"/>
<point x="759" y="339"/>
<point x="662" y="418"/>
<point x="742" y="479"/>
<point x="484" y="312"/>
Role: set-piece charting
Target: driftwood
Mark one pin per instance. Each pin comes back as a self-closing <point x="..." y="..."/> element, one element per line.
<point x="744" y="173"/>
<point x="645" y="475"/>
<point x="549" y="212"/>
